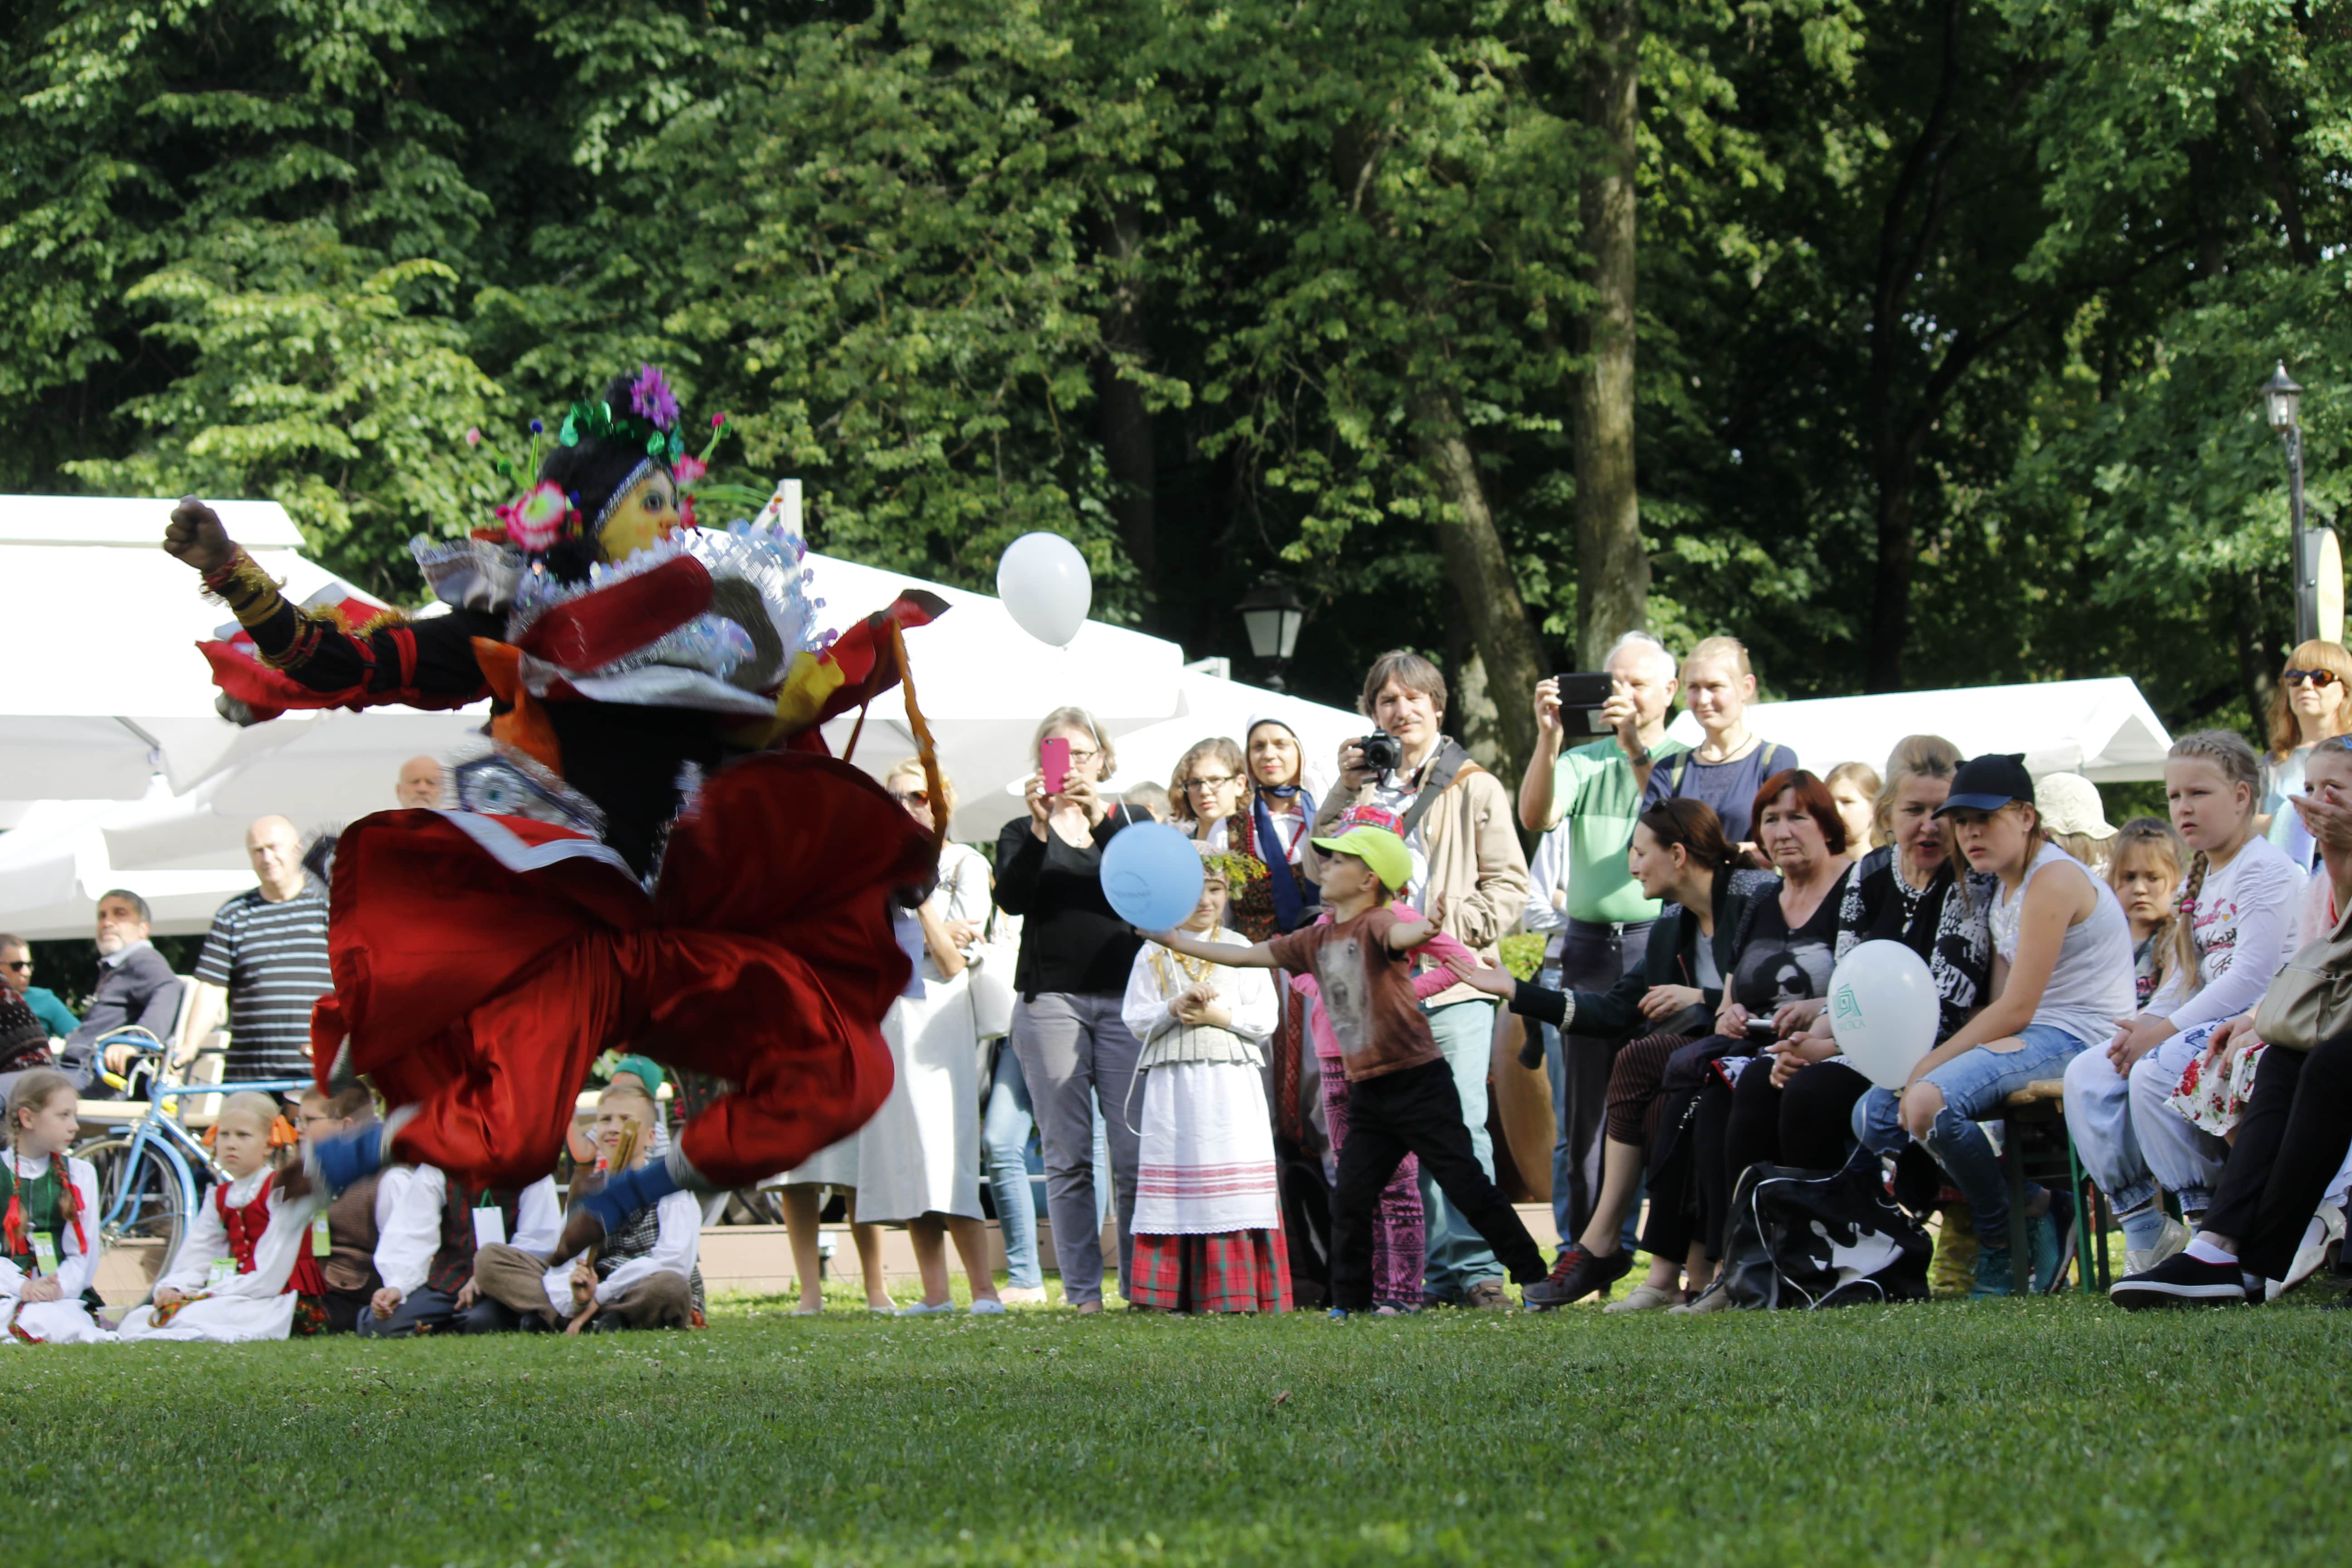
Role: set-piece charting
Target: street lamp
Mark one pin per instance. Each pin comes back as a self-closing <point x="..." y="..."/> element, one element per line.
<point x="1272" y="612"/>
<point x="2281" y="398"/>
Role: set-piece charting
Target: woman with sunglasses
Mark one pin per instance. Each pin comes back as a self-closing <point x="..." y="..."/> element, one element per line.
<point x="2308" y="707"/>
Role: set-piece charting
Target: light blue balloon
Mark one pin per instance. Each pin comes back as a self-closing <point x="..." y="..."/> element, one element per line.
<point x="1151" y="874"/>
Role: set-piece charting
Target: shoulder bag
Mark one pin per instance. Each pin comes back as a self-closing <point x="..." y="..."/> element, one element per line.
<point x="2310" y="1000"/>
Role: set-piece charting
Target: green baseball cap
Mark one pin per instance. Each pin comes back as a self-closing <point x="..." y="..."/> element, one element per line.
<point x="1376" y="838"/>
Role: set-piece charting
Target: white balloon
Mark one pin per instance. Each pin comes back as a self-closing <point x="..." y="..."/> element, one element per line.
<point x="1882" y="1010"/>
<point x="1045" y="586"/>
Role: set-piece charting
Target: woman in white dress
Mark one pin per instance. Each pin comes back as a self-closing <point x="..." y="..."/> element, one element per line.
<point x="918" y="1158"/>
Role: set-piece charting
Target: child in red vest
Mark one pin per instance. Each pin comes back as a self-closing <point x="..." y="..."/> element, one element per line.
<point x="244" y="1269"/>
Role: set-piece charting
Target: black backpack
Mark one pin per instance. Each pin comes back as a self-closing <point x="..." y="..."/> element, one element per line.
<point x="1819" y="1239"/>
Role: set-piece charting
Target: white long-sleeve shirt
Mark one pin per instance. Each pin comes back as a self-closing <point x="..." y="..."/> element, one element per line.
<point x="2244" y="921"/>
<point x="1156" y="979"/>
<point x="675" y="1244"/>
<point x="76" y="1268"/>
<point x="406" y="1241"/>
<point x="1547" y="884"/>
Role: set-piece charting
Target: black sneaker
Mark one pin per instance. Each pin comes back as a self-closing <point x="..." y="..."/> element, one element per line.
<point x="2181" y="1281"/>
<point x="1576" y="1275"/>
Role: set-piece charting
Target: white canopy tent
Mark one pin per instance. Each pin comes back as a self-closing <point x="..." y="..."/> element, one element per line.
<point x="2102" y="729"/>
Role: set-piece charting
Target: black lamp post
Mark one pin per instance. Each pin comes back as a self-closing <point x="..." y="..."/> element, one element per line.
<point x="2281" y="398"/>
<point x="1272" y="612"/>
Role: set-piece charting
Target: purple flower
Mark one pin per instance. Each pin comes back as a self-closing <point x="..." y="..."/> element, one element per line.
<point x="537" y="428"/>
<point x="650" y="396"/>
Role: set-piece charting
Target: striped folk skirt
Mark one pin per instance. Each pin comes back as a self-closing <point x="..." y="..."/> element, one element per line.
<point x="1208" y="1214"/>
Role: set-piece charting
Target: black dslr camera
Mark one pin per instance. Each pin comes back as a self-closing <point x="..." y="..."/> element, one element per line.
<point x="1382" y="751"/>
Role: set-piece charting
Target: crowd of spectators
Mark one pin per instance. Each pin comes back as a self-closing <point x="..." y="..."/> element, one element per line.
<point x="1336" y="989"/>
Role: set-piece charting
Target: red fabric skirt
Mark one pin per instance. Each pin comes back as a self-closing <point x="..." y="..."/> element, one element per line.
<point x="1232" y="1271"/>
<point x="481" y="963"/>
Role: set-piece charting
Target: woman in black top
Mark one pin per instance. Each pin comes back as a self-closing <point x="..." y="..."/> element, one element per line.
<point x="1915" y="891"/>
<point x="1784" y="953"/>
<point x="1072" y="975"/>
<point x="1679" y="855"/>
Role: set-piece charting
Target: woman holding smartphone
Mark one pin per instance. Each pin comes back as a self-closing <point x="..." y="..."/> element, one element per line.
<point x="1075" y="953"/>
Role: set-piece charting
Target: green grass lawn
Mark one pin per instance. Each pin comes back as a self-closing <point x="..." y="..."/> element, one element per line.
<point x="2031" y="1431"/>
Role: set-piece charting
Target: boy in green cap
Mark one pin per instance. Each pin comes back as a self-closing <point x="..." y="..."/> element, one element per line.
<point x="1401" y="1099"/>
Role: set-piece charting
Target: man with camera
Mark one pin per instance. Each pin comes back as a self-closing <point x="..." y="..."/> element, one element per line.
<point x="1469" y="877"/>
<point x="1595" y="787"/>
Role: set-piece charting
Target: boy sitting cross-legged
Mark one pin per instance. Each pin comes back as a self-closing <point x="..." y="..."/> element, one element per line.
<point x="643" y="1277"/>
<point x="1401" y="1099"/>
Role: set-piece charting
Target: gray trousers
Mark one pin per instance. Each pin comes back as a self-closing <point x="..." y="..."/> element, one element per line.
<point x="1073" y="1048"/>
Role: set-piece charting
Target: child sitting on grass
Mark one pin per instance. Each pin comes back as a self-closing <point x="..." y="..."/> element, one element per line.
<point x="1401" y="1099"/>
<point x="343" y="1237"/>
<point x="428" y="1248"/>
<point x="45" y="1282"/>
<point x="244" y="1268"/>
<point x="642" y="1277"/>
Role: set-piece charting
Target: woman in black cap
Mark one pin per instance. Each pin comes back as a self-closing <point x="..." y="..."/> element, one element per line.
<point x="2061" y="975"/>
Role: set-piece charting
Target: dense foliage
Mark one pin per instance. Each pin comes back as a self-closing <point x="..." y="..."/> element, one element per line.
<point x="1950" y="311"/>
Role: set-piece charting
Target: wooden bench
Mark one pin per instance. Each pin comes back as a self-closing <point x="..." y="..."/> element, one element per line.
<point x="2041" y="1103"/>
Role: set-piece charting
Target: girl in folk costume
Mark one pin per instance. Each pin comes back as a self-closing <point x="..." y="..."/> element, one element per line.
<point x="45" y="1281"/>
<point x="2236" y="927"/>
<point x="654" y="690"/>
<point x="244" y="1268"/>
<point x="1208" y="1221"/>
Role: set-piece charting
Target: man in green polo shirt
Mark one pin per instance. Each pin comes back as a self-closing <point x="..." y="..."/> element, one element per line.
<point x="1594" y="793"/>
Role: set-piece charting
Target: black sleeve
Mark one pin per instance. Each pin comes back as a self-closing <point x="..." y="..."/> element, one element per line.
<point x="1540" y="1003"/>
<point x="434" y="657"/>
<point x="1020" y="856"/>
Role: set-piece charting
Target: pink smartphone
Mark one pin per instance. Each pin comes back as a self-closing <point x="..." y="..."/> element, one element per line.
<point x="1054" y="762"/>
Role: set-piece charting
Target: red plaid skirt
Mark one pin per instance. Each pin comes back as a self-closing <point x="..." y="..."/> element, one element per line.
<point x="1232" y="1271"/>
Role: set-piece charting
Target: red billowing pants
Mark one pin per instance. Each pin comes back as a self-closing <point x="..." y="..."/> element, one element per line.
<point x="482" y="964"/>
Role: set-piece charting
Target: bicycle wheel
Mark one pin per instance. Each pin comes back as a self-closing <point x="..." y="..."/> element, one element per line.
<point x="140" y="1201"/>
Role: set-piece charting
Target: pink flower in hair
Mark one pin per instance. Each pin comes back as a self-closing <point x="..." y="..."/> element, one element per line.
<point x="650" y="396"/>
<point x="537" y="521"/>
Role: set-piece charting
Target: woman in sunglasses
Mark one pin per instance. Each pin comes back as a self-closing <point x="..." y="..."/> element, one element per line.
<point x="2308" y="707"/>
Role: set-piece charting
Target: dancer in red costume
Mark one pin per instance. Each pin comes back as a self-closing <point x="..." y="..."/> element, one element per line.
<point x="652" y="852"/>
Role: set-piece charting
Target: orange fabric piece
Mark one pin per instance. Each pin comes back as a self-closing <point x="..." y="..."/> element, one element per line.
<point x="524" y="725"/>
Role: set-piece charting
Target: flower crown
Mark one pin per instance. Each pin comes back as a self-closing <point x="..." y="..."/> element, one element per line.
<point x="545" y="513"/>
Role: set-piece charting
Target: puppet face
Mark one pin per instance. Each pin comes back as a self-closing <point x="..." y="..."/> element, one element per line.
<point x="647" y="513"/>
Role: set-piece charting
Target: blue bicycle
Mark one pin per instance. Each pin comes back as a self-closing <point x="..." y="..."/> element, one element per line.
<point x="152" y="1171"/>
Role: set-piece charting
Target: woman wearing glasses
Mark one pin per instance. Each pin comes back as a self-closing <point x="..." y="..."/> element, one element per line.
<point x="2308" y="707"/>
<point x="1209" y="800"/>
<point x="1075" y="953"/>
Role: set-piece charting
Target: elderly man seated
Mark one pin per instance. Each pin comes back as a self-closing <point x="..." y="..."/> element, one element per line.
<point x="135" y="989"/>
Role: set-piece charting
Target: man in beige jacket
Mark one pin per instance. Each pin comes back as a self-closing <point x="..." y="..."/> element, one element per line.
<point x="1468" y="875"/>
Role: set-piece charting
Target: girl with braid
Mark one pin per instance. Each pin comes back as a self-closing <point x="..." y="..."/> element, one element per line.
<point x="52" y="1256"/>
<point x="2234" y="925"/>
<point x="244" y="1268"/>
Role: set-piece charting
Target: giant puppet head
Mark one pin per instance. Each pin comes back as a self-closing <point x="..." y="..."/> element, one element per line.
<point x="611" y="485"/>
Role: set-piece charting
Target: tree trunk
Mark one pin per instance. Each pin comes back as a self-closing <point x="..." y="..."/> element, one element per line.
<point x="1481" y="572"/>
<point x="1898" y="551"/>
<point x="1471" y="716"/>
<point x="1124" y="422"/>
<point x="1612" y="570"/>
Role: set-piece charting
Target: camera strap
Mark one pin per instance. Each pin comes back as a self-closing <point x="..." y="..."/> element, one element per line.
<point x="1442" y="770"/>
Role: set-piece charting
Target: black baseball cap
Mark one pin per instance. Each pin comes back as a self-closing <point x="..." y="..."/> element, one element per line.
<point x="1989" y="783"/>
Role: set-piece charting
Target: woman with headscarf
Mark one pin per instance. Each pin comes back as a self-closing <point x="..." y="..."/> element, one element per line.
<point x="653" y="688"/>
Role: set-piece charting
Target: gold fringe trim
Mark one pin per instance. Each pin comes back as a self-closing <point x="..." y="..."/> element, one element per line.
<point x="310" y="627"/>
<point x="382" y="621"/>
<point x="251" y="594"/>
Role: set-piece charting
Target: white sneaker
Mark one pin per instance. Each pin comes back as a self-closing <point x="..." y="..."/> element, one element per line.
<point x="1646" y="1298"/>
<point x="986" y="1308"/>
<point x="2324" y="1235"/>
<point x="919" y="1310"/>
<point x="2140" y="1259"/>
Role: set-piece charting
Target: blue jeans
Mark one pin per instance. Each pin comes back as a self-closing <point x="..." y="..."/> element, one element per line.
<point x="1008" y="1128"/>
<point x="1458" y="1256"/>
<point x="1974" y="1083"/>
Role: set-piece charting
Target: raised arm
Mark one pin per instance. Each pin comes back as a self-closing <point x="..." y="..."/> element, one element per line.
<point x="1258" y="955"/>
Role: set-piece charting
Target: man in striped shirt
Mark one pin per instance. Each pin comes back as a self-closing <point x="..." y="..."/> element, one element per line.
<point x="266" y="959"/>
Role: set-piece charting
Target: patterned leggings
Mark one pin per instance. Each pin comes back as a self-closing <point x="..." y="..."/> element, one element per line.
<point x="1399" y="1230"/>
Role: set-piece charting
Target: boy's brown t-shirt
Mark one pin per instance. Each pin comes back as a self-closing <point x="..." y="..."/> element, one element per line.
<point x="1367" y="992"/>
